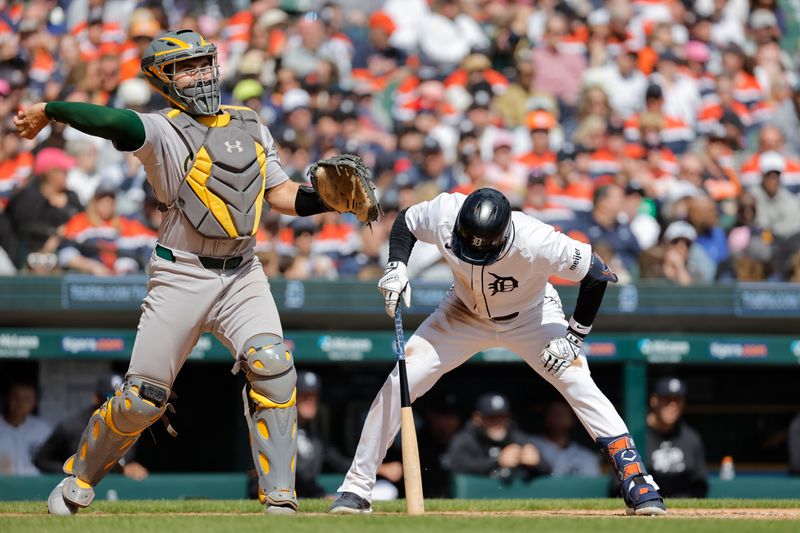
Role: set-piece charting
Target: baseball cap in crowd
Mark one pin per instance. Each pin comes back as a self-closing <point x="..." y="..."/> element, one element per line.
<point x="51" y="158"/>
<point x="763" y="18"/>
<point x="145" y="27"/>
<point x="134" y="92"/>
<point x="380" y="20"/>
<point x="105" y="188"/>
<point x="697" y="51"/>
<point x="295" y="99"/>
<point x="481" y="100"/>
<point x="107" y="384"/>
<point x="566" y="153"/>
<point x="733" y="48"/>
<point x="771" y="162"/>
<point x="503" y="138"/>
<point x="680" y="230"/>
<point x="492" y="404"/>
<point x="476" y="62"/>
<point x="599" y="17"/>
<point x="680" y="189"/>
<point x="654" y="91"/>
<point x="302" y="225"/>
<point x="271" y="18"/>
<point x="669" y="55"/>
<point x="634" y="187"/>
<point x="441" y="402"/>
<point x="431" y="146"/>
<point x="670" y="386"/>
<point x="536" y="177"/>
<point x="540" y="120"/>
<point x="307" y="382"/>
<point x="247" y="89"/>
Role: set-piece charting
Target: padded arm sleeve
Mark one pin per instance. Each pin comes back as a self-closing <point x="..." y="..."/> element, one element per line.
<point x="590" y="295"/>
<point x="122" y="126"/>
<point x="401" y="240"/>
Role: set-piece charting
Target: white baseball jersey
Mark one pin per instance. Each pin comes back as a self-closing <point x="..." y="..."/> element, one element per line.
<point x="164" y="156"/>
<point x="517" y="281"/>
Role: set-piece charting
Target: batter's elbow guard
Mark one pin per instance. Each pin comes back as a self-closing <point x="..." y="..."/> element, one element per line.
<point x="599" y="272"/>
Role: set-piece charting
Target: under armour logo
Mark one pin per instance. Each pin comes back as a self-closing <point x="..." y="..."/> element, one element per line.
<point x="476" y="241"/>
<point x="230" y="146"/>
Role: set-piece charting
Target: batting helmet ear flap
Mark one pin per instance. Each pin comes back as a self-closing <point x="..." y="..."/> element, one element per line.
<point x="482" y="227"/>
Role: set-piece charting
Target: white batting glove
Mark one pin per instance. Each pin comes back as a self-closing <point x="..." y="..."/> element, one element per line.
<point x="561" y="352"/>
<point x="394" y="283"/>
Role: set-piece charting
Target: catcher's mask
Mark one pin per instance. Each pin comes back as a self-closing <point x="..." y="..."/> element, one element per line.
<point x="160" y="63"/>
<point x="482" y="227"/>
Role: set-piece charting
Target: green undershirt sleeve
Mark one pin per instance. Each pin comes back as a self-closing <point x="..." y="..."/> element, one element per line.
<point x="122" y="126"/>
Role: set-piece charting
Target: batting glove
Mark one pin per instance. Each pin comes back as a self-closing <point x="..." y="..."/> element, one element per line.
<point x="394" y="283"/>
<point x="561" y="352"/>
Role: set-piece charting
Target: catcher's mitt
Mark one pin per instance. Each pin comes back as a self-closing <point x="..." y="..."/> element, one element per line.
<point x="345" y="185"/>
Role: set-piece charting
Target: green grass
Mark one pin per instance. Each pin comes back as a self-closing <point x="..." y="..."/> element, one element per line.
<point x="238" y="516"/>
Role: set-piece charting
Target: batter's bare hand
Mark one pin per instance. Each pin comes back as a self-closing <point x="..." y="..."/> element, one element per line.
<point x="30" y="120"/>
<point x="394" y="283"/>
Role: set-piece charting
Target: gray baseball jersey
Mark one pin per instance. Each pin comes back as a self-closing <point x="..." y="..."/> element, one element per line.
<point x="185" y="299"/>
<point x="164" y="155"/>
<point x="517" y="282"/>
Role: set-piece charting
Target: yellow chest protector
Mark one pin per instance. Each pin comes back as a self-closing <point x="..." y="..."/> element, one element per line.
<point x="222" y="192"/>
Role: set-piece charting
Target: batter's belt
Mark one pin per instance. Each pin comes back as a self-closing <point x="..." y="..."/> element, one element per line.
<point x="216" y="263"/>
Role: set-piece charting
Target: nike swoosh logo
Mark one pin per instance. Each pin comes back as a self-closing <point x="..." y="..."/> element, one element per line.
<point x="447" y="245"/>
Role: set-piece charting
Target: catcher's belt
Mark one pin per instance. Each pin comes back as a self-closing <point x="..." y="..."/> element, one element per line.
<point x="223" y="190"/>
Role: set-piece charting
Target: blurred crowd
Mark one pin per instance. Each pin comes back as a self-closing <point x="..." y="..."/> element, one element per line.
<point x="664" y="132"/>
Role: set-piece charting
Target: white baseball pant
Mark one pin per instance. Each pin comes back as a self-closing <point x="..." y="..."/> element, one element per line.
<point x="448" y="338"/>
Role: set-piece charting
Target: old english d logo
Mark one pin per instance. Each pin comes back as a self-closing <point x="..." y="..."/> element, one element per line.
<point x="501" y="284"/>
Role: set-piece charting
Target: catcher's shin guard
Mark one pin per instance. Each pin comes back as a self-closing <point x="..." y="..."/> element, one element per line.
<point x="638" y="488"/>
<point x="112" y="430"/>
<point x="272" y="418"/>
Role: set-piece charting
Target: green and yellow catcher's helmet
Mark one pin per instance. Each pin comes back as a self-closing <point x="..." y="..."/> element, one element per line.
<point x="159" y="66"/>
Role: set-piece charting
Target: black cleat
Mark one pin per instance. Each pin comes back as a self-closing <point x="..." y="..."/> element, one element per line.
<point x="349" y="503"/>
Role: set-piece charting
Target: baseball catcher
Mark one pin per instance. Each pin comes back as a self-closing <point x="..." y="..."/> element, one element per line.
<point x="212" y="167"/>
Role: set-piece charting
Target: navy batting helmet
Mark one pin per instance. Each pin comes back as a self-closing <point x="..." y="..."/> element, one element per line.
<point x="482" y="227"/>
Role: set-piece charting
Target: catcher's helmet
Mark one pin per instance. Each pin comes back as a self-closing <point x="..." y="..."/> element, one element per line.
<point x="158" y="65"/>
<point x="482" y="227"/>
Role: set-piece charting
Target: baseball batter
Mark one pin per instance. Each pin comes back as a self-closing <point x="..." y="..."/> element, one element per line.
<point x="501" y="262"/>
<point x="211" y="167"/>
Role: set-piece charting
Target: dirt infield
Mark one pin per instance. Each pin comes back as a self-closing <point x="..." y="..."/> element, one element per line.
<point x="730" y="514"/>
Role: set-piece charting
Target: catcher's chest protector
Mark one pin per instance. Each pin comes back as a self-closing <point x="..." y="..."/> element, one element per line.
<point x="223" y="190"/>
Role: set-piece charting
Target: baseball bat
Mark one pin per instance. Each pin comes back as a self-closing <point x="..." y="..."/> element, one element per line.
<point x="412" y="474"/>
